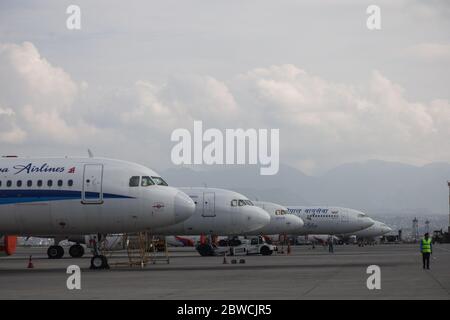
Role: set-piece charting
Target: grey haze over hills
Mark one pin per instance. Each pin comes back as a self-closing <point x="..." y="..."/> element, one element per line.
<point x="377" y="187"/>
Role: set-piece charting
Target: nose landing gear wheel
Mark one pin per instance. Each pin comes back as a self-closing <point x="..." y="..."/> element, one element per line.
<point x="265" y="251"/>
<point x="55" y="252"/>
<point x="205" y="250"/>
<point x="76" y="251"/>
<point x="99" y="262"/>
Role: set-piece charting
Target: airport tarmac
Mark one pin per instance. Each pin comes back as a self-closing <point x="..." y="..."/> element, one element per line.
<point x="305" y="274"/>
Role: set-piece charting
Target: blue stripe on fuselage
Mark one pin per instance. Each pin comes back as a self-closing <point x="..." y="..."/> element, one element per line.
<point x="26" y="196"/>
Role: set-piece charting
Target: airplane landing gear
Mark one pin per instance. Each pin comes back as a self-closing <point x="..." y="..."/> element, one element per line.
<point x="99" y="262"/>
<point x="55" y="252"/>
<point x="76" y="251"/>
<point x="205" y="250"/>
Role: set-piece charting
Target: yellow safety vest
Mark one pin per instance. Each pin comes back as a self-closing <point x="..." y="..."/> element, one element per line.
<point x="426" y="245"/>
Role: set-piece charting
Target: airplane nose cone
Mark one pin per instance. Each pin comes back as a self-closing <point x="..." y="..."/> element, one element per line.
<point x="293" y="222"/>
<point x="257" y="218"/>
<point x="368" y="222"/>
<point x="184" y="207"/>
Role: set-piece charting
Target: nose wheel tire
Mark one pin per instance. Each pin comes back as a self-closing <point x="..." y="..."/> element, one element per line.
<point x="99" y="262"/>
<point x="76" y="251"/>
<point x="265" y="251"/>
<point x="55" y="252"/>
<point x="205" y="250"/>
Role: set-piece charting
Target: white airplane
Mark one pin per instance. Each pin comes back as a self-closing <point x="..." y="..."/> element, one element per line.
<point x="330" y="220"/>
<point x="376" y="230"/>
<point x="320" y="238"/>
<point x="182" y="241"/>
<point x="218" y="212"/>
<point x="281" y="221"/>
<point x="70" y="196"/>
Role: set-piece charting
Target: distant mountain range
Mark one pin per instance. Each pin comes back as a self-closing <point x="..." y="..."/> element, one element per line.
<point x="377" y="187"/>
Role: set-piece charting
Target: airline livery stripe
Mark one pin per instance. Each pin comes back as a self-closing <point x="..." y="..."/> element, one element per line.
<point x="26" y="196"/>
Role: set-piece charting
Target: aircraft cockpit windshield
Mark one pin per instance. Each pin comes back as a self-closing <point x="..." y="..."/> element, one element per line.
<point x="146" y="181"/>
<point x="241" y="203"/>
<point x="280" y="212"/>
<point x="159" y="181"/>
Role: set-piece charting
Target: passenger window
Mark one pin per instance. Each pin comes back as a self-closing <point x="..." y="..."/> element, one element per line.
<point x="49" y="183"/>
<point x="233" y="203"/>
<point x="29" y="183"/>
<point x="39" y="183"/>
<point x="60" y="183"/>
<point x="159" y="181"/>
<point x="134" y="181"/>
<point x="9" y="183"/>
<point x="146" y="181"/>
<point x="70" y="183"/>
<point x="19" y="183"/>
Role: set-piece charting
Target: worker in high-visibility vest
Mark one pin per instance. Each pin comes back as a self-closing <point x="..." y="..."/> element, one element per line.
<point x="427" y="250"/>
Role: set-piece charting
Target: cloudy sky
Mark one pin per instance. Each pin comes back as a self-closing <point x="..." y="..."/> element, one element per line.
<point x="137" y="70"/>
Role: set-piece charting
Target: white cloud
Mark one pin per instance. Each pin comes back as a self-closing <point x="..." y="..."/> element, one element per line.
<point x="39" y="96"/>
<point x="430" y="51"/>
<point x="9" y="132"/>
<point x="322" y="123"/>
<point x="178" y="102"/>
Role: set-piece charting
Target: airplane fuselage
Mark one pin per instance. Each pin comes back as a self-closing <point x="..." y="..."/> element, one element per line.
<point x="219" y="212"/>
<point x="67" y="196"/>
<point x="330" y="220"/>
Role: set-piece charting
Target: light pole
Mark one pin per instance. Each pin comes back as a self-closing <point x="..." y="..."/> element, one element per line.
<point x="448" y="183"/>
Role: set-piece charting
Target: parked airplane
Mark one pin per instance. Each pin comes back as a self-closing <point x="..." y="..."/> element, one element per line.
<point x="322" y="238"/>
<point x="182" y="241"/>
<point x="369" y="234"/>
<point x="65" y="196"/>
<point x="330" y="220"/>
<point x="281" y="221"/>
<point x="218" y="212"/>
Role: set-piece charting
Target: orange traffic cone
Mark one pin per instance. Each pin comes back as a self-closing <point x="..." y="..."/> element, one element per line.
<point x="30" y="263"/>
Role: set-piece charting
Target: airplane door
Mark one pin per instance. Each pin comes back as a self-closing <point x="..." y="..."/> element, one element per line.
<point x="92" y="184"/>
<point x="209" y="204"/>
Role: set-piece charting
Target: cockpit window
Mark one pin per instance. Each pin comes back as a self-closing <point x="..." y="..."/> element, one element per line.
<point x="134" y="181"/>
<point x="280" y="212"/>
<point x="146" y="181"/>
<point x="241" y="203"/>
<point x="159" y="181"/>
